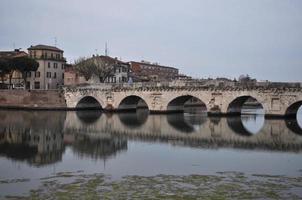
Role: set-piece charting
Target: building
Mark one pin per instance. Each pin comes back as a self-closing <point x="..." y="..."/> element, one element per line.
<point x="118" y="73"/>
<point x="120" y="70"/>
<point x="72" y="77"/>
<point x="50" y="74"/>
<point x="146" y="71"/>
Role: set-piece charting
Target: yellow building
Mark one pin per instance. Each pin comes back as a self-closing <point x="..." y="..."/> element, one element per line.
<point x="50" y="74"/>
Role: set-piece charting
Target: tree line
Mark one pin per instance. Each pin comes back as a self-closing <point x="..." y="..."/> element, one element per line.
<point x="22" y="64"/>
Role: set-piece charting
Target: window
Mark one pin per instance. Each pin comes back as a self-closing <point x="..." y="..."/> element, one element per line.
<point x="37" y="85"/>
<point x="55" y="75"/>
<point x="48" y="74"/>
<point x="62" y="75"/>
<point x="114" y="79"/>
<point x="28" y="74"/>
<point x="37" y="74"/>
<point x="62" y="66"/>
<point x="51" y="55"/>
<point x="48" y="64"/>
<point x="55" y="65"/>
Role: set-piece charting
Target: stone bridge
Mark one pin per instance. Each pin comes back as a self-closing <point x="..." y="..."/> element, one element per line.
<point x="160" y="99"/>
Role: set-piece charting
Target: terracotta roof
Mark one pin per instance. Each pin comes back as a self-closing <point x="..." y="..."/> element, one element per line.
<point x="45" y="47"/>
<point x="109" y="59"/>
<point x="151" y="64"/>
<point x="12" y="54"/>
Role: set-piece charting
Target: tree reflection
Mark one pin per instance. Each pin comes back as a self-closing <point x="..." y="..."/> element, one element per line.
<point x="98" y="148"/>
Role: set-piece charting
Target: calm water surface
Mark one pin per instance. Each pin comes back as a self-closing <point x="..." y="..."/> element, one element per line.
<point x="35" y="145"/>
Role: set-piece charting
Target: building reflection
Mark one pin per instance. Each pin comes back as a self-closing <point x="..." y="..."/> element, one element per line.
<point x="38" y="138"/>
<point x="35" y="137"/>
<point x="41" y="137"/>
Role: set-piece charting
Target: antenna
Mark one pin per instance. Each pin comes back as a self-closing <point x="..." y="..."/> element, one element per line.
<point x="14" y="45"/>
<point x="106" y="49"/>
<point x="55" y="38"/>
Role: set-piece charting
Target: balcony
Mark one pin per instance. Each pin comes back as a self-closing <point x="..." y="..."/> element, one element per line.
<point x="61" y="59"/>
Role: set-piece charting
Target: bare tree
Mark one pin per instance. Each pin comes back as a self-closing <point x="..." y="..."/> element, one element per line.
<point x="99" y="66"/>
<point x="85" y="67"/>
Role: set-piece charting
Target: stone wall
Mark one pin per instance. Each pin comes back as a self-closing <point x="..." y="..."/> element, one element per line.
<point x="32" y="99"/>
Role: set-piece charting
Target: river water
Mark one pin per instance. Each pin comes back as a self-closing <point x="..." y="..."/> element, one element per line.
<point x="62" y="146"/>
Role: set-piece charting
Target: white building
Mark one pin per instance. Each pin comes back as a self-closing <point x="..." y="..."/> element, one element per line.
<point x="120" y="70"/>
<point x="50" y="74"/>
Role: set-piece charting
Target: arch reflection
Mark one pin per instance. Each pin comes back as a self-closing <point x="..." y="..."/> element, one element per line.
<point x="294" y="125"/>
<point x="134" y="119"/>
<point x="186" y="123"/>
<point x="88" y="116"/>
<point x="246" y="125"/>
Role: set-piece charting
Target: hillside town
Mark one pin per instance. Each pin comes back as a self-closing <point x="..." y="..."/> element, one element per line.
<point x="54" y="72"/>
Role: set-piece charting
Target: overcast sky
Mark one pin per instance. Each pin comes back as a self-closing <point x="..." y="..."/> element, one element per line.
<point x="203" y="38"/>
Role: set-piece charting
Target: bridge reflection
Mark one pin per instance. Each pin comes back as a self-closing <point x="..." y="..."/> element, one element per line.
<point x="246" y="131"/>
<point x="41" y="137"/>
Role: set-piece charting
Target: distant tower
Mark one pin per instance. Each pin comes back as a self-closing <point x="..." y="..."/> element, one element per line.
<point x="106" y="49"/>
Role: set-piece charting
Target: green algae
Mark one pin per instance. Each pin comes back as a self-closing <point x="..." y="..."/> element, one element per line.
<point x="224" y="185"/>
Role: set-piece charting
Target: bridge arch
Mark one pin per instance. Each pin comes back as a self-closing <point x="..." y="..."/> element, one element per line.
<point x="89" y="103"/>
<point x="178" y="104"/>
<point x="236" y="105"/>
<point x="132" y="102"/>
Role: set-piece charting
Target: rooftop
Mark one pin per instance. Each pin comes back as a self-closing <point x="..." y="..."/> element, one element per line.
<point x="11" y="54"/>
<point x="151" y="64"/>
<point x="45" y="47"/>
<point x="109" y="59"/>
